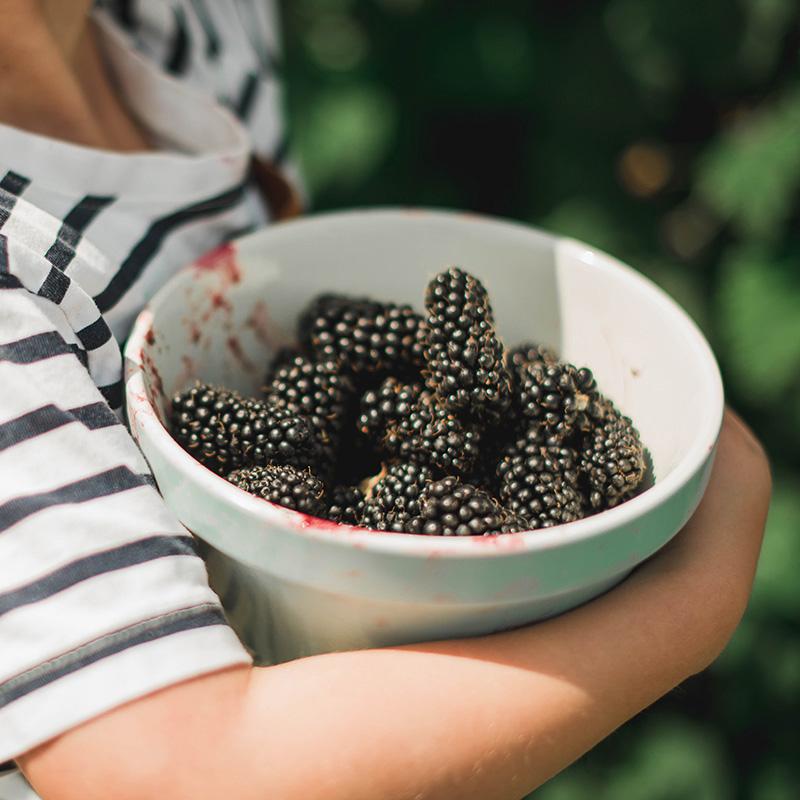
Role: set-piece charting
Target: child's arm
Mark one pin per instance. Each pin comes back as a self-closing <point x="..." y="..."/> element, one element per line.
<point x="486" y="718"/>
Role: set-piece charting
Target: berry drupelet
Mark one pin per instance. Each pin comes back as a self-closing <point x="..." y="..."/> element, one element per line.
<point x="530" y="353"/>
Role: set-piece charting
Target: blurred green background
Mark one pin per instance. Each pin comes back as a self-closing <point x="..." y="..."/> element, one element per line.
<point x="667" y="134"/>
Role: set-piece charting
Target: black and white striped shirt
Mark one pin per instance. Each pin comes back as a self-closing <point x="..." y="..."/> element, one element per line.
<point x="102" y="597"/>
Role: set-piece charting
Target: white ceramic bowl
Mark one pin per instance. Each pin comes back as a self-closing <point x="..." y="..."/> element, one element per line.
<point x="293" y="585"/>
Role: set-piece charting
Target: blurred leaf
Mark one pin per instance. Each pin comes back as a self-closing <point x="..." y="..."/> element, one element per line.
<point x="571" y="784"/>
<point x="506" y="54"/>
<point x="400" y="6"/>
<point x="751" y="175"/>
<point x="674" y="760"/>
<point x="784" y="670"/>
<point x="740" y="648"/>
<point x="776" y="584"/>
<point x="768" y="21"/>
<point x="758" y="298"/>
<point x="670" y="759"/>
<point x="776" y="780"/>
<point x="584" y="219"/>
<point x="337" y="41"/>
<point x="630" y="26"/>
<point x="475" y="58"/>
<point x="669" y="45"/>
<point x="344" y="134"/>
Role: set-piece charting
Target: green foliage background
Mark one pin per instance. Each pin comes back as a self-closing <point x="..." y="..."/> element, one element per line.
<point x="667" y="134"/>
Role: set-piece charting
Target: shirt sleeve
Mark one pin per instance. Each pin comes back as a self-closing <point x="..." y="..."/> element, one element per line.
<point x="103" y="598"/>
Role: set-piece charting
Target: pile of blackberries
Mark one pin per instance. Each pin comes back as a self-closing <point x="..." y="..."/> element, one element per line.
<point x="393" y="420"/>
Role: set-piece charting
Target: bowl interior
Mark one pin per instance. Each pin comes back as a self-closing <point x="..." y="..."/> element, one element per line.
<point x="222" y="319"/>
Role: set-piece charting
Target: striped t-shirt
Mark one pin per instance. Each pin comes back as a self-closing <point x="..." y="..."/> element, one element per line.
<point x="102" y="596"/>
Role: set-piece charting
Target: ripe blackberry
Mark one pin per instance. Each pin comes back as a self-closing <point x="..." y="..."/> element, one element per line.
<point x="345" y="504"/>
<point x="284" y="485"/>
<point x="612" y="463"/>
<point x="225" y="432"/>
<point x="394" y="498"/>
<point x="465" y="358"/>
<point x="274" y="435"/>
<point x="452" y="508"/>
<point x="206" y="422"/>
<point x="382" y="408"/>
<point x="557" y="395"/>
<point x="538" y="479"/>
<point x="432" y="435"/>
<point x="415" y="425"/>
<point x="361" y="335"/>
<point x="315" y="390"/>
<point x="318" y="392"/>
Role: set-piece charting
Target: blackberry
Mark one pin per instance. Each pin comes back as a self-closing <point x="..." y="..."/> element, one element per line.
<point x="538" y="479"/>
<point x="394" y="498"/>
<point x="318" y="392"/>
<point x="452" y="508"/>
<point x="314" y="389"/>
<point x="612" y="463"/>
<point x="286" y="486"/>
<point x="384" y="407"/>
<point x="411" y="423"/>
<point x="465" y="358"/>
<point x="273" y="435"/>
<point x="207" y="422"/>
<point x="226" y="432"/>
<point x="432" y="435"/>
<point x="345" y="504"/>
<point x="556" y="394"/>
<point x="362" y="335"/>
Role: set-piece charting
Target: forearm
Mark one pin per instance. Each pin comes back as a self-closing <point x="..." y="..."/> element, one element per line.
<point x="486" y="718"/>
<point x="496" y="717"/>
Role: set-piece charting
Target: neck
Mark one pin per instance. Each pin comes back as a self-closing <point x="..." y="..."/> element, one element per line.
<point x="53" y="80"/>
<point x="67" y="22"/>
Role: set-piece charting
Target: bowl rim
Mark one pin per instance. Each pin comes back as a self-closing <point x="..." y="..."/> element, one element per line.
<point x="145" y="423"/>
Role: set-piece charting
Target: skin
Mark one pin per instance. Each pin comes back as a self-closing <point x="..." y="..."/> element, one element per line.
<point x="488" y="718"/>
<point x="52" y="79"/>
